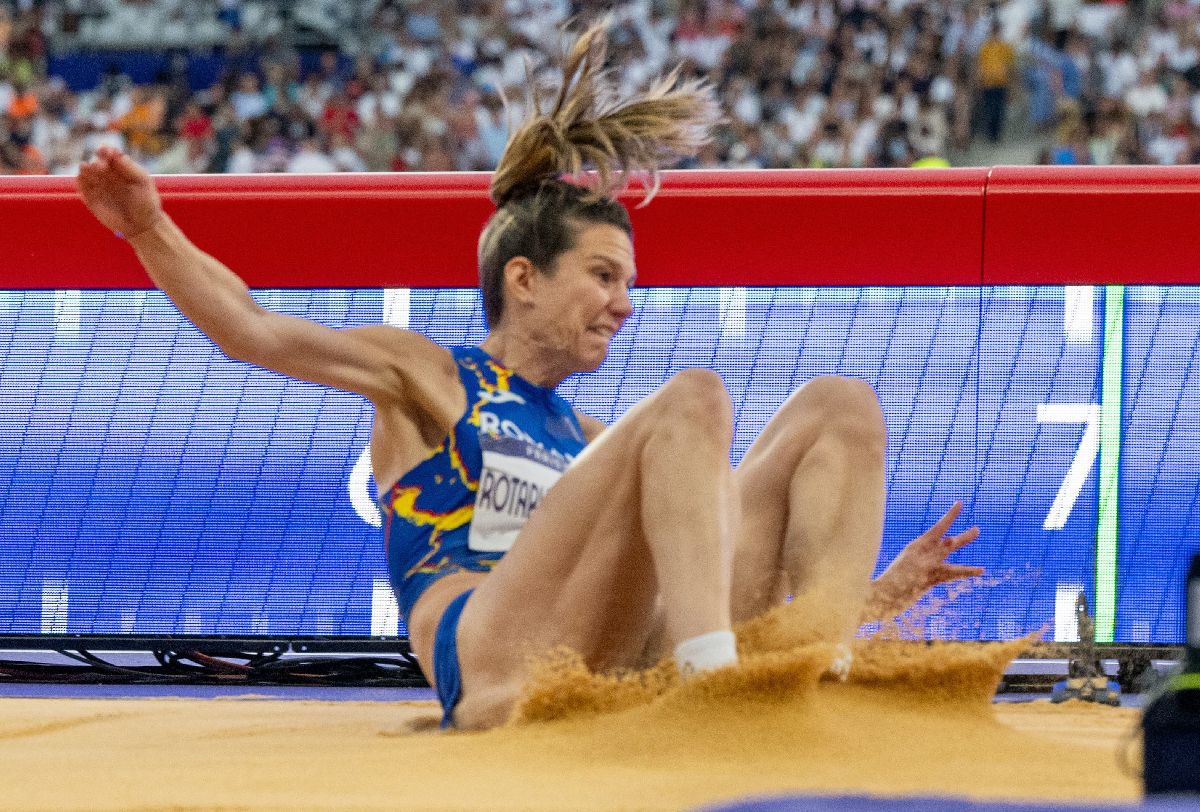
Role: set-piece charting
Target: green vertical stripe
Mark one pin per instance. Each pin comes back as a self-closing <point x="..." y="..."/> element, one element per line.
<point x="1110" y="463"/>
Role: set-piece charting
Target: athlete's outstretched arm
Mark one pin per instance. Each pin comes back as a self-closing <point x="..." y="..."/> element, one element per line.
<point x="383" y="363"/>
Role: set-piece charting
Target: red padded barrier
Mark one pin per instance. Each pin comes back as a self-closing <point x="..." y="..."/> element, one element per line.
<point x="1092" y="225"/>
<point x="815" y="227"/>
<point x="778" y="227"/>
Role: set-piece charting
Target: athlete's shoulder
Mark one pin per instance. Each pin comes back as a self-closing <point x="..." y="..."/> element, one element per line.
<point x="407" y="345"/>
<point x="590" y="425"/>
<point x="426" y="369"/>
<point x="399" y="339"/>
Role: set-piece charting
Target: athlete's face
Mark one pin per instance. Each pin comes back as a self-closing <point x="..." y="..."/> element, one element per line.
<point x="583" y="304"/>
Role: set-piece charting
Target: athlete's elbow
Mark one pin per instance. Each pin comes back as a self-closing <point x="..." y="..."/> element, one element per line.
<point x="238" y="352"/>
<point x="246" y="339"/>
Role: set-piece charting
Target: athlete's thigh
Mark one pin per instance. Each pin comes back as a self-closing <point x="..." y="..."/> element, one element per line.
<point x="763" y="477"/>
<point x="579" y="573"/>
<point x="766" y="474"/>
<point x="828" y="403"/>
<point x="762" y="482"/>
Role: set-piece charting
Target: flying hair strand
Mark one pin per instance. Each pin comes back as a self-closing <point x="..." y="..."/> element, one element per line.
<point x="589" y="125"/>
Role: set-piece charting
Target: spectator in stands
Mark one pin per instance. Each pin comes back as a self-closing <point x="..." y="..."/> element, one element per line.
<point x="23" y="101"/>
<point x="194" y="123"/>
<point x="1167" y="143"/>
<point x="21" y="156"/>
<point x="1118" y="69"/>
<point x="1147" y="96"/>
<point x="186" y="156"/>
<point x="311" y="159"/>
<point x="143" y="122"/>
<point x="281" y="89"/>
<point x="996" y="63"/>
<point x="248" y="100"/>
<point x="100" y="128"/>
<point x="344" y="156"/>
<point x="1044" y="79"/>
<point x="1071" y="145"/>
<point x="6" y="31"/>
<point x="424" y="86"/>
<point x="225" y="133"/>
<point x="1111" y="131"/>
<point x="339" y="117"/>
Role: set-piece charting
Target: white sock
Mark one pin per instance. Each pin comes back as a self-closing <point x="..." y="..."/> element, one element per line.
<point x="843" y="660"/>
<point x="705" y="652"/>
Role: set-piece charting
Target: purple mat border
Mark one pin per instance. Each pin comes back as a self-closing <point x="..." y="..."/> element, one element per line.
<point x="866" y="803"/>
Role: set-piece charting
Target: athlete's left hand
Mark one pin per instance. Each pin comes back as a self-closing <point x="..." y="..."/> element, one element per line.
<point x="920" y="566"/>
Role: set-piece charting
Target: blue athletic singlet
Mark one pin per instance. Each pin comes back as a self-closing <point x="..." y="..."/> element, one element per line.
<point x="462" y="507"/>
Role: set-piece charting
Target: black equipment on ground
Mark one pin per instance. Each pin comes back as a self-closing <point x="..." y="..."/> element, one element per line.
<point x="1086" y="680"/>
<point x="1171" y="722"/>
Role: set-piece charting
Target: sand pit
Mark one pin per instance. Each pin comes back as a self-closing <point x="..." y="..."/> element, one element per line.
<point x="913" y="719"/>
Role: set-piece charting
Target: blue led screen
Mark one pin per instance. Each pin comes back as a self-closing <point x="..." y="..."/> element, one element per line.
<point x="153" y="486"/>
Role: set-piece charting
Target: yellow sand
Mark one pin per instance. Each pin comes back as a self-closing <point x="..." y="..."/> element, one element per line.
<point x="914" y="719"/>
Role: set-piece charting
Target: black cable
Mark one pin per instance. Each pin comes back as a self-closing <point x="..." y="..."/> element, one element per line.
<point x="345" y="670"/>
<point x="106" y="667"/>
<point x="249" y="667"/>
<point x="263" y="658"/>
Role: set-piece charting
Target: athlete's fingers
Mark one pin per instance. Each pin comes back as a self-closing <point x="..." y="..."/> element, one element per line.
<point x="126" y="169"/>
<point x="93" y="171"/>
<point x="88" y="180"/>
<point x="960" y="540"/>
<point x="97" y="160"/>
<point x="106" y="162"/>
<point x="943" y="524"/>
<point x="955" y="572"/>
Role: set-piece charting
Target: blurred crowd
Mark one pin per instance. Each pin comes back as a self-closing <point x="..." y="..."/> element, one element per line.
<point x="421" y="85"/>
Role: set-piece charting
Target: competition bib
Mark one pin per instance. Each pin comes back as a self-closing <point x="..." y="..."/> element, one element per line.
<point x="516" y="475"/>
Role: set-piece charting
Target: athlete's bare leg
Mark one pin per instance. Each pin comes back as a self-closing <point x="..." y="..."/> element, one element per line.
<point x="647" y="513"/>
<point x="812" y="499"/>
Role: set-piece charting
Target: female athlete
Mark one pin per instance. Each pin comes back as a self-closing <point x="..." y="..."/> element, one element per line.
<point x="515" y="524"/>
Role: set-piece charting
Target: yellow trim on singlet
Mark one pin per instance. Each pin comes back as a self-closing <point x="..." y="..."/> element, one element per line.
<point x="456" y="462"/>
<point x="404" y="504"/>
<point x="403" y="500"/>
<point x="501" y="384"/>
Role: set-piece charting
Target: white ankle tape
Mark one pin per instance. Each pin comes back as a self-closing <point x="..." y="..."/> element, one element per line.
<point x="706" y="652"/>
<point x="842" y="662"/>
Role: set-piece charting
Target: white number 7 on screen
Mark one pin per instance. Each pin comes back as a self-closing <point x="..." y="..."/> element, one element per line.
<point x="1085" y="456"/>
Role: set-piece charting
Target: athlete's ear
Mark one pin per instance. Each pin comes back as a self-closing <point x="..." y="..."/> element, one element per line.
<point x="520" y="276"/>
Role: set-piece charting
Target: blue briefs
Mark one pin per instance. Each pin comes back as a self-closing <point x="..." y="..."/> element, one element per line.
<point x="446" y="673"/>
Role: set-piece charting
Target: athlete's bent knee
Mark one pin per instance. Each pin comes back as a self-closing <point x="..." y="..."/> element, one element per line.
<point x="696" y="397"/>
<point x="696" y="382"/>
<point x="845" y="405"/>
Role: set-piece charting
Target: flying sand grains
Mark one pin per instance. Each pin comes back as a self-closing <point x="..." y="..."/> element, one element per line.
<point x="935" y="611"/>
<point x="788" y="626"/>
<point x="781" y="659"/>
<point x="781" y="656"/>
<point x="560" y="686"/>
<point x="952" y="676"/>
<point x="914" y="719"/>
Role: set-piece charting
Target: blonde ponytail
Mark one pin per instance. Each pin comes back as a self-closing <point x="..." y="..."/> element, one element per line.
<point x="590" y="125"/>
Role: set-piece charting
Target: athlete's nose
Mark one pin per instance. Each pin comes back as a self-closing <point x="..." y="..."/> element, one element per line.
<point x="621" y="305"/>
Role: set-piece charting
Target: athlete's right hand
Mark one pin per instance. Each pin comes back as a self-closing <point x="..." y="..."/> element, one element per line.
<point x="119" y="192"/>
